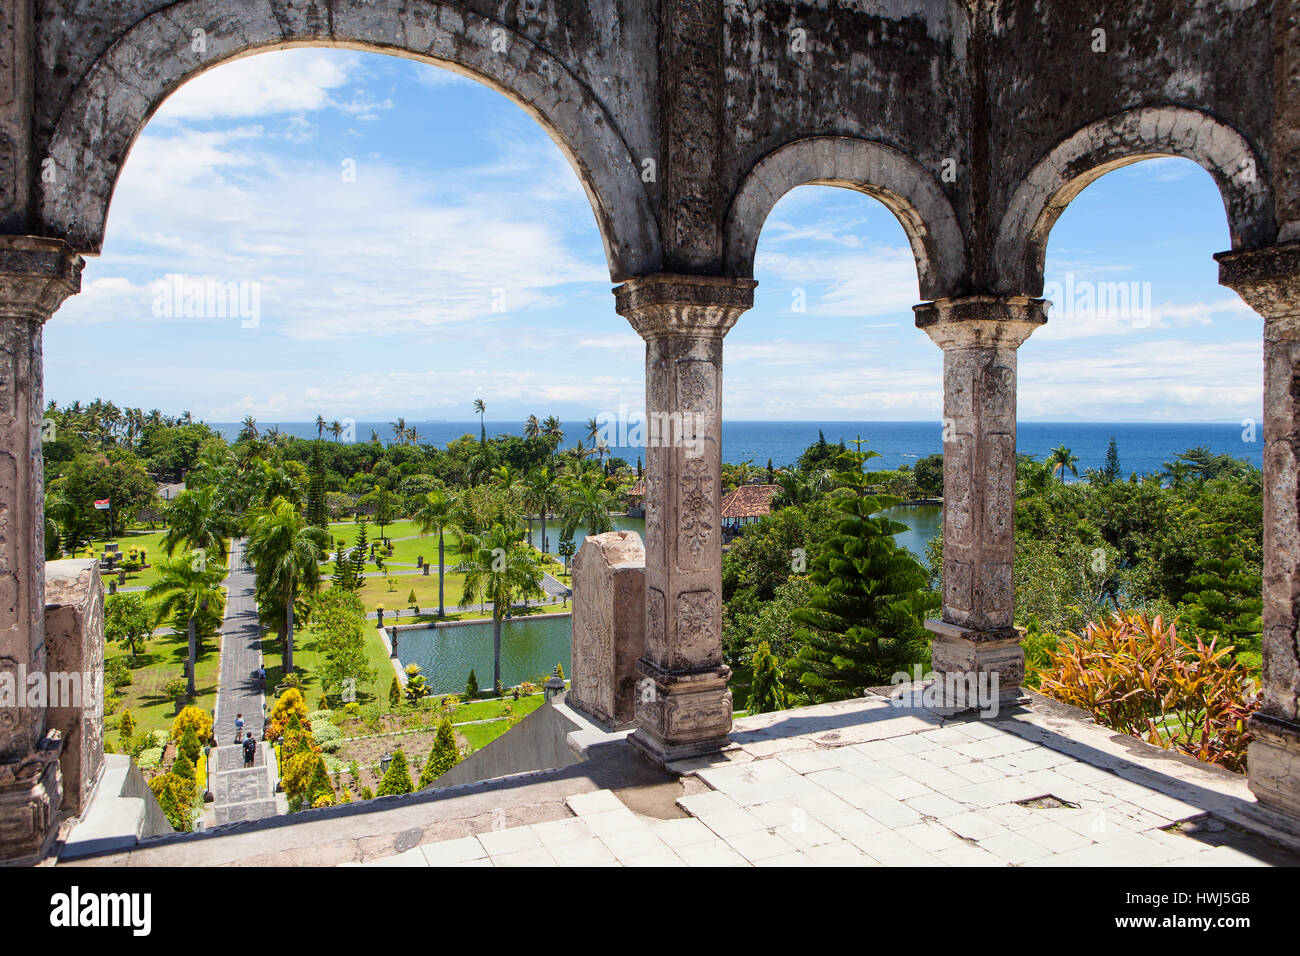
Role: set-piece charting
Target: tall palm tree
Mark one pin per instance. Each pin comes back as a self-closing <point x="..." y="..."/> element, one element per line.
<point x="187" y="587"/>
<point x="435" y="513"/>
<point x="481" y="407"/>
<point x="1060" y="459"/>
<point x="413" y="435"/>
<point x="249" y="429"/>
<point x="197" y="518"/>
<point x="551" y="429"/>
<point x="541" y="487"/>
<point x="320" y="427"/>
<point x="336" y="429"/>
<point x="399" y="429"/>
<point x="532" y="427"/>
<point x="496" y="566"/>
<point x="592" y="431"/>
<point x="286" y="553"/>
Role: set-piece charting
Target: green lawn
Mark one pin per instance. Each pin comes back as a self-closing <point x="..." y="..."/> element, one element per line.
<point x="375" y="592"/>
<point x="162" y="660"/>
<point x="306" y="659"/>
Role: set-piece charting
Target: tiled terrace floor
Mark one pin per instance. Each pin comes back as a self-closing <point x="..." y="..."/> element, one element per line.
<point x="866" y="783"/>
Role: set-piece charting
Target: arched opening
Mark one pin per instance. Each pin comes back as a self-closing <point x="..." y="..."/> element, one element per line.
<point x="366" y="239"/>
<point x="828" y="355"/>
<point x="1139" y="482"/>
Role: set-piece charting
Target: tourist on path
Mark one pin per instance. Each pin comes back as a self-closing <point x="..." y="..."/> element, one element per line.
<point x="239" y="726"/>
<point x="250" y="749"/>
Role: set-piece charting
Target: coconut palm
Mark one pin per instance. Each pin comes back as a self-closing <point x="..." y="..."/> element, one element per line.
<point x="481" y="408"/>
<point x="551" y="429"/>
<point x="496" y="566"/>
<point x="413" y="435"/>
<point x="399" y="429"/>
<point x="197" y="518"/>
<point x="320" y="426"/>
<point x="532" y="427"/>
<point x="336" y="429"/>
<point x="249" y="429"/>
<point x="187" y="587"/>
<point x="541" y="489"/>
<point x="435" y="513"/>
<point x="286" y="553"/>
<point x="1060" y="459"/>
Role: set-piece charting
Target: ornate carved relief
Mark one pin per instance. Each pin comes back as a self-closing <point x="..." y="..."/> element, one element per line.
<point x="696" y="506"/>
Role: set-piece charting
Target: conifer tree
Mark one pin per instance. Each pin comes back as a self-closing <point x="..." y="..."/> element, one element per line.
<point x="395" y="693"/>
<point x="397" y="779"/>
<point x="471" y="685"/>
<point x="442" y="756"/>
<point x="863" y="622"/>
<point x="765" y="691"/>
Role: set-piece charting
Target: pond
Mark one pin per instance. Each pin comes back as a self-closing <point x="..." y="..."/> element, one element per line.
<point x="530" y="648"/>
<point x="923" y="521"/>
<point x="621" y="523"/>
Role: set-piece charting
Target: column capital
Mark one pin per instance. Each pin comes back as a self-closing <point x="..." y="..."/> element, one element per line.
<point x="981" y="321"/>
<point x="665" y="304"/>
<point x="1268" y="279"/>
<point x="36" y="276"/>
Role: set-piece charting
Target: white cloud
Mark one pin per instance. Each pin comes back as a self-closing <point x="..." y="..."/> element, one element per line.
<point x="267" y="84"/>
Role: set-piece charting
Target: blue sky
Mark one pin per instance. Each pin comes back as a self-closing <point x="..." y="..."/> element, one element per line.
<point x="381" y="295"/>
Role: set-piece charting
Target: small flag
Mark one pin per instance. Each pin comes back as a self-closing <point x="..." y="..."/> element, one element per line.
<point x="102" y="505"/>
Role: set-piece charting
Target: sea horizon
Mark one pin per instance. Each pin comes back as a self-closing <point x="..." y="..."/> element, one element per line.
<point x="1143" y="447"/>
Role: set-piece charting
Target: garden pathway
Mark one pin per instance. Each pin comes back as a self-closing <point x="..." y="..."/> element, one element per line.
<point x="240" y="794"/>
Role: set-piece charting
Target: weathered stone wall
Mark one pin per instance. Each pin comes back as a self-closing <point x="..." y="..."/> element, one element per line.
<point x="74" y="640"/>
<point x="608" y="626"/>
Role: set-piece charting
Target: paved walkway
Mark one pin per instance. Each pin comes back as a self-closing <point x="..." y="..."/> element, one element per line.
<point x="863" y="783"/>
<point x="240" y="794"/>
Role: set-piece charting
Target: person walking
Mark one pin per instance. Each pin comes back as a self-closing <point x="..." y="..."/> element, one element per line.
<point x="250" y="749"/>
<point x="261" y="677"/>
<point x="239" y="726"/>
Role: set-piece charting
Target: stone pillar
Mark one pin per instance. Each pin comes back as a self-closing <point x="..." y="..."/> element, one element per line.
<point x="74" y="641"/>
<point x="608" y="626"/>
<point x="1269" y="280"/>
<point x="683" y="704"/>
<point x="976" y="636"/>
<point x="36" y="275"/>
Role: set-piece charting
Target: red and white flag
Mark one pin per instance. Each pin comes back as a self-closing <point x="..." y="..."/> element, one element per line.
<point x="102" y="505"/>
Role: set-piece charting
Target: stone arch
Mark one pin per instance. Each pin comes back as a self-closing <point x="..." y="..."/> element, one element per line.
<point x="1120" y="140"/>
<point x="125" y="86"/>
<point x="906" y="188"/>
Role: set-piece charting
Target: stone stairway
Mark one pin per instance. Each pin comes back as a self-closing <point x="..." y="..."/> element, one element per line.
<point x="242" y="793"/>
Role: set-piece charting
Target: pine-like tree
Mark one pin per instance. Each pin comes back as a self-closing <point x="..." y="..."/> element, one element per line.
<point x="183" y="766"/>
<point x="442" y="756"/>
<point x="320" y="792"/>
<point x="359" y="555"/>
<point x="397" y="778"/>
<point x="317" y="514"/>
<point x="863" y="620"/>
<point x="1110" y="472"/>
<point x="1224" y="598"/>
<point x="765" y="691"/>
<point x="189" y="745"/>
<point x="395" y="693"/>
<point x="471" y="685"/>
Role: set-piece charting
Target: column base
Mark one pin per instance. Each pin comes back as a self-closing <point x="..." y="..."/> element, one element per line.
<point x="681" y="715"/>
<point x="31" y="791"/>
<point x="977" y="668"/>
<point x="1273" y="765"/>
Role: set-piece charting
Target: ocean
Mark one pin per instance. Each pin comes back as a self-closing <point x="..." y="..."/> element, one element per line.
<point x="1144" y="447"/>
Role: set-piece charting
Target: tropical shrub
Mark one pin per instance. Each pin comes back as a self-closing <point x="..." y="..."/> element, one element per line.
<point x="150" y="758"/>
<point x="765" y="691"/>
<point x="416" y="686"/>
<point x="192" y="718"/>
<point x="190" y="746"/>
<point x="328" y="737"/>
<point x="442" y="756"/>
<point x="289" y="705"/>
<point x="1135" y="675"/>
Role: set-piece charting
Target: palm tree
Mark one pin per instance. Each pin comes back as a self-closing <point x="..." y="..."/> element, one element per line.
<point x="481" y="408"/>
<point x="286" y="553"/>
<point x="1060" y="459"/>
<point x="249" y="429"/>
<point x="198" y="519"/>
<point x="336" y="429"/>
<point x="1178" y="473"/>
<point x="532" y="427"/>
<point x="399" y="429"/>
<point x="320" y="427"/>
<point x="551" y="429"/>
<point x="187" y="587"/>
<point x="541" y="487"/>
<point x="497" y="565"/>
<point x="413" y="434"/>
<point x="586" y="504"/>
<point x="435" y="514"/>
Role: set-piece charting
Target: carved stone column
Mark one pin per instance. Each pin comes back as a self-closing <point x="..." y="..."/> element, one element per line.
<point x="1269" y="280"/>
<point x="36" y="275"/>
<point x="976" y="639"/>
<point x="683" y="704"/>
